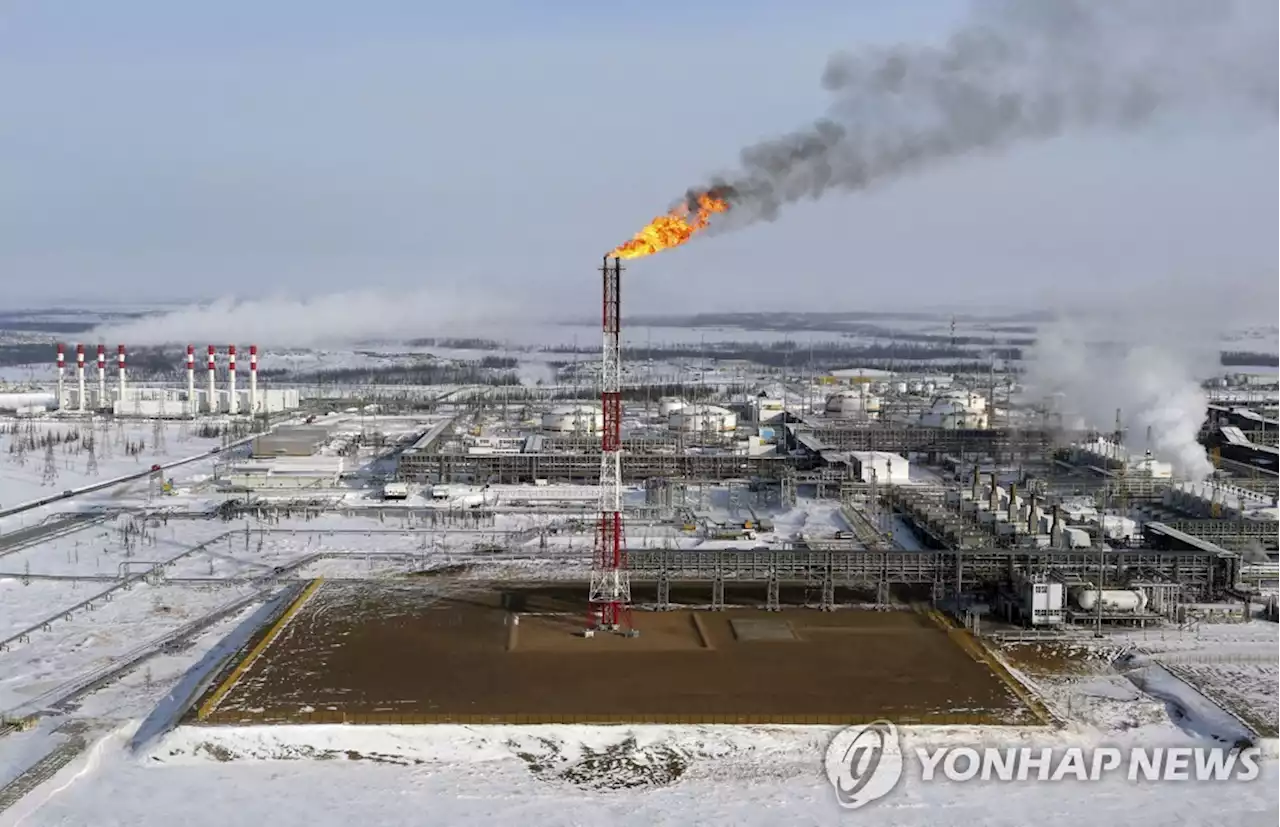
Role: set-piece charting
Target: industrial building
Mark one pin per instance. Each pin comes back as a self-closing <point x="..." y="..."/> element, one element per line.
<point x="121" y="398"/>
<point x="283" y="473"/>
<point x="880" y="466"/>
<point x="296" y="441"/>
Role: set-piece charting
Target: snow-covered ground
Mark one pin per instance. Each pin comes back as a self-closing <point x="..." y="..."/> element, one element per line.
<point x="578" y="775"/>
<point x="120" y="448"/>
<point x="1178" y="687"/>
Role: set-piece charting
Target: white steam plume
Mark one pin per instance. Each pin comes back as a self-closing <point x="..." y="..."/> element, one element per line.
<point x="1149" y="366"/>
<point x="330" y="319"/>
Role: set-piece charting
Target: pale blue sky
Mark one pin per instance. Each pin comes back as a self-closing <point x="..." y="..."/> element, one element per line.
<point x="187" y="149"/>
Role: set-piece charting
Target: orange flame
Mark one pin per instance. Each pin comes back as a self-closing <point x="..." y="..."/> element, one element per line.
<point x="672" y="229"/>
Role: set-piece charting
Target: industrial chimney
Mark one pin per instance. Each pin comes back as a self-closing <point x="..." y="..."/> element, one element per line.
<point x="994" y="500"/>
<point x="1055" y="530"/>
<point x="102" y="376"/>
<point x="1013" y="499"/>
<point x="1031" y="515"/>
<point x="62" y="366"/>
<point x="80" y="378"/>
<point x="120" y="364"/>
<point x="213" y="383"/>
<point x="233" y="404"/>
<point x="253" y="380"/>
<point x="191" y="381"/>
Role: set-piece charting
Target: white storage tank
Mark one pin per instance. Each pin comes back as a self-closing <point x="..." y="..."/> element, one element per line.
<point x="853" y="403"/>
<point x="1113" y="600"/>
<point x="668" y="405"/>
<point x="703" y="419"/>
<point x="574" y="419"/>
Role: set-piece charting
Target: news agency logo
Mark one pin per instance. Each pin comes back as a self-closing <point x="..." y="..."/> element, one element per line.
<point x="864" y="763"/>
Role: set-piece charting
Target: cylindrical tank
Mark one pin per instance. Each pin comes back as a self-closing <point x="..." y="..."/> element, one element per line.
<point x="702" y="418"/>
<point x="853" y="403"/>
<point x="668" y="405"/>
<point x="901" y="387"/>
<point x="1113" y="600"/>
<point x="569" y="419"/>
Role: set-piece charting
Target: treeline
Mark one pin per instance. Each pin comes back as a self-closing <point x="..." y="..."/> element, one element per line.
<point x="823" y="356"/>
<point x="1249" y="358"/>
<point x="457" y="344"/>
<point x="467" y="373"/>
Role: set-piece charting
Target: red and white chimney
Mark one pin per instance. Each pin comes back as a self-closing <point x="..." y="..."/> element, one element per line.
<point x="102" y="376"/>
<point x="213" y="383"/>
<point x="253" y="380"/>
<point x="62" y="369"/>
<point x="191" y="381"/>
<point x="80" y="378"/>
<point x="233" y="404"/>
<point x="120" y="363"/>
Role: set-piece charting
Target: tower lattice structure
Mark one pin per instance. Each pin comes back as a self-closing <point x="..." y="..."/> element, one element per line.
<point x="610" y="580"/>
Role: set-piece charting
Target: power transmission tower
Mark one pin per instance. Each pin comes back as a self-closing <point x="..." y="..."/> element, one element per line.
<point x="50" y="475"/>
<point x="157" y="430"/>
<point x="91" y="464"/>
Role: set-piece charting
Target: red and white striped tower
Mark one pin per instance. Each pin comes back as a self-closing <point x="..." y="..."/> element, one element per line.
<point x="253" y="380"/>
<point x="191" y="381"/>
<point x="102" y="376"/>
<point x="213" y="382"/>
<point x="120" y="364"/>
<point x="80" y="378"/>
<point x="233" y="404"/>
<point x="62" y="369"/>
<point x="610" y="580"/>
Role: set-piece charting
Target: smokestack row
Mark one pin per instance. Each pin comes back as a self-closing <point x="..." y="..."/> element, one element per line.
<point x="103" y="401"/>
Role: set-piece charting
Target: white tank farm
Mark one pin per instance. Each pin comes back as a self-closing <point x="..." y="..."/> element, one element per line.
<point x="960" y="410"/>
<point x="702" y="419"/>
<point x="853" y="403"/>
<point x="573" y="419"/>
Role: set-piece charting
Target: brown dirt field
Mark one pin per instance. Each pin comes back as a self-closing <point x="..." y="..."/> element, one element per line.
<point x="401" y="649"/>
<point x="1056" y="659"/>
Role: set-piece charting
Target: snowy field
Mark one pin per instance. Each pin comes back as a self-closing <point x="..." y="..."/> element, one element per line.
<point x="1165" y="686"/>
<point x="119" y="448"/>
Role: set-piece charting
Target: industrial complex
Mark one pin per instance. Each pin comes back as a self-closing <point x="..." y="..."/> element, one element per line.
<point x="713" y="538"/>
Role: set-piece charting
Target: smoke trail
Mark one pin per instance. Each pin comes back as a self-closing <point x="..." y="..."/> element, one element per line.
<point x="1105" y="362"/>
<point x="1017" y="71"/>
